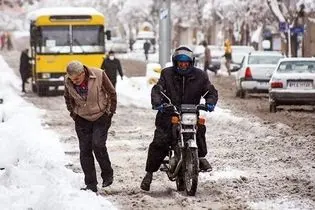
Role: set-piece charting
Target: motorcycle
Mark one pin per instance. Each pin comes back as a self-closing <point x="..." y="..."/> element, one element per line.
<point x="182" y="164"/>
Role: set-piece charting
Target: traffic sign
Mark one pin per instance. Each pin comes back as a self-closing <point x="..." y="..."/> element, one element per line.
<point x="297" y="30"/>
<point x="163" y="14"/>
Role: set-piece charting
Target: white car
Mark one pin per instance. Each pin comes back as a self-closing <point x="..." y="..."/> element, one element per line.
<point x="117" y="45"/>
<point x="138" y="46"/>
<point x="292" y="83"/>
<point x="216" y="52"/>
<point x="255" y="72"/>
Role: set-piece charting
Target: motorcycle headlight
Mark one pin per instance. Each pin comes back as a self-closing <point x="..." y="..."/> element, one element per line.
<point x="189" y="119"/>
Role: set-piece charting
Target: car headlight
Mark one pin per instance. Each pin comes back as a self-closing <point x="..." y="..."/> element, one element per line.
<point x="45" y="75"/>
<point x="189" y="119"/>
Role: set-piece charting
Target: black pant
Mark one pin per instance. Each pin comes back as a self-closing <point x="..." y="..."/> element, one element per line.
<point x="24" y="81"/>
<point x="113" y="82"/>
<point x="92" y="137"/>
<point x="162" y="139"/>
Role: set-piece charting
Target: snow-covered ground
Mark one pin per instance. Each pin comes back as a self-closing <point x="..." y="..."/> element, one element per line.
<point x="256" y="165"/>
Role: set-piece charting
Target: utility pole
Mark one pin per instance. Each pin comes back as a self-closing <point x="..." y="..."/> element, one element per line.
<point x="289" y="41"/>
<point x="165" y="33"/>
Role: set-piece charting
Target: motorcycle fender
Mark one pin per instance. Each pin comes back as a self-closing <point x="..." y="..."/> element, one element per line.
<point x="192" y="143"/>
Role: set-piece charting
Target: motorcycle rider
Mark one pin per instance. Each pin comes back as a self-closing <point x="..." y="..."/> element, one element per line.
<point x="183" y="84"/>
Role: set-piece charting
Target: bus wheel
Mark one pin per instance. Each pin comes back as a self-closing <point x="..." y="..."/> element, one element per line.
<point x="34" y="88"/>
<point x="42" y="90"/>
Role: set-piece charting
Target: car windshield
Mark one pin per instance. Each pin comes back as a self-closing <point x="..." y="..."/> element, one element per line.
<point x="263" y="59"/>
<point x="245" y="49"/>
<point x="119" y="41"/>
<point x="238" y="57"/>
<point x="297" y="67"/>
<point x="215" y="48"/>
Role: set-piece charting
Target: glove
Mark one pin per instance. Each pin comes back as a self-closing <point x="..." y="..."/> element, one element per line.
<point x="110" y="114"/>
<point x="210" y="107"/>
<point x="73" y="115"/>
<point x="160" y="107"/>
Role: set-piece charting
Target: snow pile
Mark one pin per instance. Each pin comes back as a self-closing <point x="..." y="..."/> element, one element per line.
<point x="32" y="160"/>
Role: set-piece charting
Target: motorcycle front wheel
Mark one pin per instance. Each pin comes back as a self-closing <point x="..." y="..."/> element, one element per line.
<point x="191" y="171"/>
<point x="180" y="180"/>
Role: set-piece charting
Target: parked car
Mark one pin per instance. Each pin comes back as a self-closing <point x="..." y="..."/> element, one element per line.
<point x="292" y="83"/>
<point x="238" y="53"/>
<point x="242" y="49"/>
<point x="216" y="55"/>
<point x="117" y="45"/>
<point x="256" y="69"/>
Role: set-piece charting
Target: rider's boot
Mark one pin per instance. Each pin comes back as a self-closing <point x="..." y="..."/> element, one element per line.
<point x="145" y="184"/>
<point x="204" y="165"/>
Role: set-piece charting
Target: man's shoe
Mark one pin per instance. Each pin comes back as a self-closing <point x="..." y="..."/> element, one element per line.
<point x="145" y="184"/>
<point x="107" y="182"/>
<point x="92" y="188"/>
<point x="204" y="165"/>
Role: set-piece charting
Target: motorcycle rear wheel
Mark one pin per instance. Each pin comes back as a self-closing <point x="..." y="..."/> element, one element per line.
<point x="191" y="171"/>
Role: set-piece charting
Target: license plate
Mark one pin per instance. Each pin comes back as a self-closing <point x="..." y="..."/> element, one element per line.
<point x="263" y="84"/>
<point x="300" y="85"/>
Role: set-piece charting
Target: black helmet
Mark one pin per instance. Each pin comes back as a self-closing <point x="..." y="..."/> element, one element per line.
<point x="183" y="53"/>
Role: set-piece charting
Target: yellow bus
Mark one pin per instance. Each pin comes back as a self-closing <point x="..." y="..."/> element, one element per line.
<point x="59" y="35"/>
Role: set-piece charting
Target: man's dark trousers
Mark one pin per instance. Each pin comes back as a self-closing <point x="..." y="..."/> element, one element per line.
<point x="92" y="137"/>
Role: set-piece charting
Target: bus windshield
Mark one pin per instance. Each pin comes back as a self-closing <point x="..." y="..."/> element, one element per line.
<point x="87" y="39"/>
<point x="55" y="39"/>
<point x="71" y="39"/>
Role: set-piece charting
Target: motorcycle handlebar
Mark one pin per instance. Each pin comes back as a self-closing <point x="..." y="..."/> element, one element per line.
<point x="202" y="107"/>
<point x="198" y="107"/>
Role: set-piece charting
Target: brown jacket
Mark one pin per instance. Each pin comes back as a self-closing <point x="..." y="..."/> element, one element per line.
<point x="101" y="96"/>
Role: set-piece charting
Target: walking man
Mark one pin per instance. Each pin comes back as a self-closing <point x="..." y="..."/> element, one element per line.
<point x="111" y="65"/>
<point x="91" y="100"/>
<point x="146" y="48"/>
<point x="207" y="59"/>
<point x="25" y="68"/>
<point x="228" y="55"/>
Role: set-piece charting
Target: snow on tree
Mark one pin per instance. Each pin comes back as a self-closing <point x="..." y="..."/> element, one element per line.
<point x="126" y="15"/>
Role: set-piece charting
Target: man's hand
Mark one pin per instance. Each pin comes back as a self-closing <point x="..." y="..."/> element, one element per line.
<point x="210" y="107"/>
<point x="160" y="107"/>
<point x="73" y="115"/>
<point x="110" y="114"/>
<point x="165" y="108"/>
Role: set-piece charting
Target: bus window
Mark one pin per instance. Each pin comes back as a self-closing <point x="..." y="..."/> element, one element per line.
<point x="55" y="39"/>
<point x="87" y="39"/>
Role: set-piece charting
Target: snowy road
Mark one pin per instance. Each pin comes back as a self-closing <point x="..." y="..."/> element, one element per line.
<point x="256" y="164"/>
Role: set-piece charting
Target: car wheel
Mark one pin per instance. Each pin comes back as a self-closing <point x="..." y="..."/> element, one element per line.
<point x="273" y="108"/>
<point x="242" y="94"/>
<point x="237" y="93"/>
